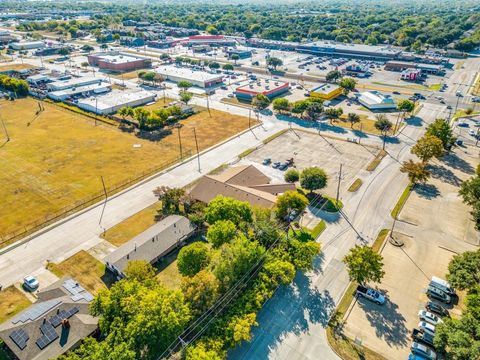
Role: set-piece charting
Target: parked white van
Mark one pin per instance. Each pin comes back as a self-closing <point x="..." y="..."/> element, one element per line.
<point x="442" y="285"/>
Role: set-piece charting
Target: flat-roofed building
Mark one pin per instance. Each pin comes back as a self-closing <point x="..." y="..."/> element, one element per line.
<point x="118" y="62"/>
<point x="424" y="68"/>
<point x="326" y="91"/>
<point x="111" y="102"/>
<point x="84" y="91"/>
<point x="152" y="244"/>
<point x="73" y="82"/>
<point x="375" y="100"/>
<point x="271" y="88"/>
<point x="202" y="79"/>
<point x="211" y="40"/>
<point x="27" y="45"/>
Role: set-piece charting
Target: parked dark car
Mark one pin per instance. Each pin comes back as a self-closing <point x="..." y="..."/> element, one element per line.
<point x="438" y="294"/>
<point x="436" y="309"/>
<point x="423" y="337"/>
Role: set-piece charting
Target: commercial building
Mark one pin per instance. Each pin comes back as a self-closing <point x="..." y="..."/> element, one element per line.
<point x="162" y="44"/>
<point x="332" y="48"/>
<point x="357" y="70"/>
<point x="411" y="74"/>
<point x="375" y="100"/>
<point x="242" y="53"/>
<point x="244" y="183"/>
<point x="55" y="324"/>
<point x="6" y="37"/>
<point x="269" y="88"/>
<point x="27" y="45"/>
<point x="83" y="91"/>
<point x="424" y="68"/>
<point x="198" y="78"/>
<point x="111" y="102"/>
<point x="212" y="40"/>
<point x="326" y="91"/>
<point x="74" y="82"/>
<point x="118" y="62"/>
<point x="152" y="244"/>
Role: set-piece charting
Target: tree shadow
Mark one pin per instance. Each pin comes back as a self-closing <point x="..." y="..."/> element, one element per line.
<point x="427" y="191"/>
<point x="414" y="121"/>
<point x="441" y="173"/>
<point x="359" y="133"/>
<point x="155" y="135"/>
<point x="388" y="322"/>
<point x="454" y="161"/>
<point x="329" y="127"/>
<point x="291" y="310"/>
<point x="392" y="140"/>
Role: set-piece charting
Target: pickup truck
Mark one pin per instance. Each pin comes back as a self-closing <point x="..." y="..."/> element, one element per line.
<point x="422" y="337"/>
<point x="370" y="294"/>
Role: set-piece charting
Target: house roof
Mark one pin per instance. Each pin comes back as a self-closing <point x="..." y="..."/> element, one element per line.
<point x="376" y="98"/>
<point x="65" y="299"/>
<point x="244" y="183"/>
<point x="153" y="242"/>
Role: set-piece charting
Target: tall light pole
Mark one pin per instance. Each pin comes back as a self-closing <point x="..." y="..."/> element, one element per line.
<point x="198" y="152"/>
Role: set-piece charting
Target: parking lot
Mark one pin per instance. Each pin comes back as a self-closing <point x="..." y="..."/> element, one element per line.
<point x="305" y="148"/>
<point x="468" y="130"/>
<point x="434" y="225"/>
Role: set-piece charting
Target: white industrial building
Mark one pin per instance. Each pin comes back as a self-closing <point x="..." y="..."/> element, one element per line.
<point x="27" y="45"/>
<point x="198" y="78"/>
<point x="114" y="100"/>
<point x="375" y="100"/>
<point x="87" y="90"/>
<point x="74" y="82"/>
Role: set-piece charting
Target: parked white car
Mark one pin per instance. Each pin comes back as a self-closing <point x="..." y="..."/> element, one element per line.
<point x="427" y="327"/>
<point x="30" y="283"/>
<point x="429" y="317"/>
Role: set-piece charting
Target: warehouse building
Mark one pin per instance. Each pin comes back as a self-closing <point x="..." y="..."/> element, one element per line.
<point x="27" y="45"/>
<point x="202" y="79"/>
<point x="83" y="91"/>
<point x="242" y="53"/>
<point x="269" y="88"/>
<point x="332" y="48"/>
<point x="71" y="83"/>
<point x="118" y="62"/>
<point x="375" y="100"/>
<point x="114" y="100"/>
<point x="326" y="91"/>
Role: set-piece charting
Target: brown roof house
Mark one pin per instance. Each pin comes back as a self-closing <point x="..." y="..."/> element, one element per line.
<point x="245" y="183"/>
<point x="53" y="325"/>
<point x="155" y="242"/>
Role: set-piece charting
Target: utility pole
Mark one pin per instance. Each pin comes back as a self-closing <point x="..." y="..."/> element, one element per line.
<point x="198" y="152"/>
<point x="338" y="186"/>
<point x="106" y="198"/>
<point x="208" y="105"/>
<point x="96" y="110"/>
<point x="180" y="143"/>
<point x="456" y="105"/>
<point x="5" y="129"/>
<point x="249" y="116"/>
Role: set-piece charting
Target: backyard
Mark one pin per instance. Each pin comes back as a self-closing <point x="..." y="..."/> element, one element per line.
<point x="55" y="159"/>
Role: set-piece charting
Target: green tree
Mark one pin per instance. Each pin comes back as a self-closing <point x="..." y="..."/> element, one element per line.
<point x="260" y="102"/>
<point x="292" y="176"/>
<point x="364" y="265"/>
<point x="289" y="201"/>
<point x="427" y="147"/>
<point x="142" y="115"/>
<point x="313" y="178"/>
<point x="442" y="130"/>
<point x="278" y="271"/>
<point x="333" y="75"/>
<point x="353" y="118"/>
<point x="214" y="65"/>
<point x="417" y="172"/>
<point x="200" y="291"/>
<point x="172" y="199"/>
<point x="470" y="190"/>
<point x="185" y="97"/>
<point x="184" y="85"/>
<point x="348" y="84"/>
<point x="87" y="48"/>
<point x="239" y="328"/>
<point x="228" y="67"/>
<point x="126" y="111"/>
<point x="300" y="106"/>
<point x="274" y="62"/>
<point x="314" y="110"/>
<point x="225" y="208"/>
<point x="383" y="125"/>
<point x="221" y="232"/>
<point x="281" y="105"/>
<point x="303" y="252"/>
<point x="464" y="270"/>
<point x="211" y="29"/>
<point x="405" y="106"/>
<point x="204" y="350"/>
<point x="193" y="258"/>
<point x="332" y="113"/>
<point x="139" y="270"/>
<point x="235" y="58"/>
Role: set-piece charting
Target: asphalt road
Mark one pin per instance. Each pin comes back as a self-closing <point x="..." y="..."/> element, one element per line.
<point x="292" y="324"/>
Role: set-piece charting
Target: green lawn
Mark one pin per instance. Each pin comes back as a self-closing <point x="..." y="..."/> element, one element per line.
<point x="318" y="229"/>
<point x="355" y="185"/>
<point x="401" y="201"/>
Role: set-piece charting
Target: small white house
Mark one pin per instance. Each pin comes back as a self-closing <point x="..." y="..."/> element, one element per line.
<point x="374" y="100"/>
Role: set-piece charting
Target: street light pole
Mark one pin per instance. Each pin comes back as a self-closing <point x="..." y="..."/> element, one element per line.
<point x="198" y="153"/>
<point x="180" y="143"/>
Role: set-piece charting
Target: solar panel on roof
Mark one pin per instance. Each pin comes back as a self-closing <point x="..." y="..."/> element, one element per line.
<point x="43" y="342"/>
<point x="20" y="338"/>
<point x="35" y="311"/>
<point x="72" y="311"/>
<point x="77" y="292"/>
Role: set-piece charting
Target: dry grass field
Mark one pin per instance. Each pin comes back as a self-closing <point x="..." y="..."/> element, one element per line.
<point x="15" y="67"/>
<point x="12" y="301"/>
<point x="55" y="159"/>
<point x="85" y="269"/>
